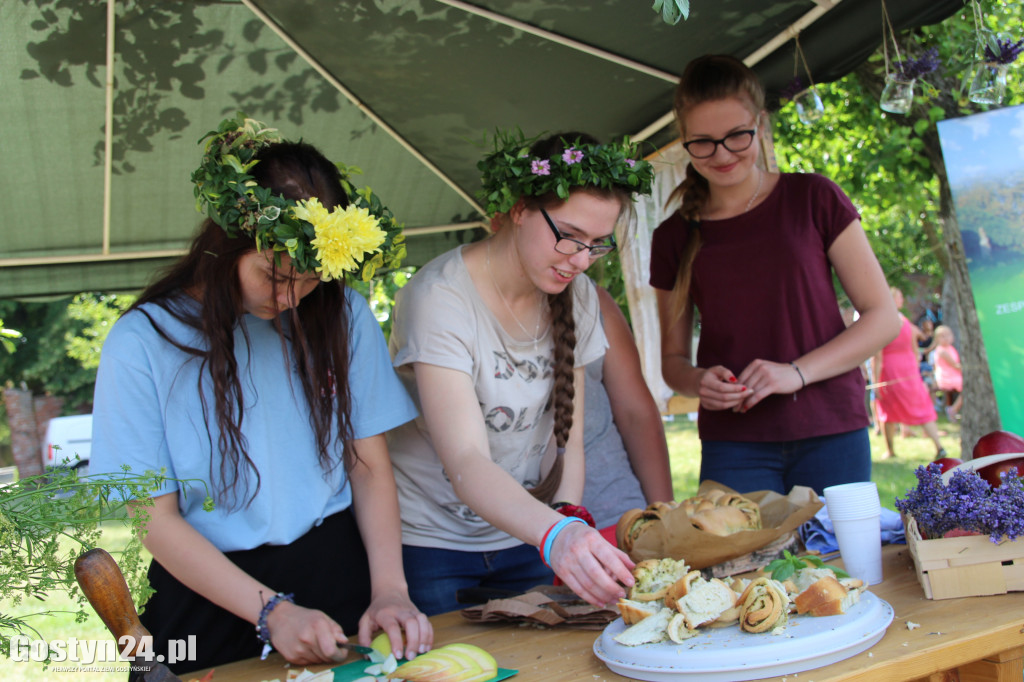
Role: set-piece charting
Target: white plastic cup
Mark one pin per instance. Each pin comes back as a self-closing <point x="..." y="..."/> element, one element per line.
<point x="852" y="500"/>
<point x="860" y="544"/>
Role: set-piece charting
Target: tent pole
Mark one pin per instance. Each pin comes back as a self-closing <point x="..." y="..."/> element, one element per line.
<point x="266" y="19"/>
<point x="108" y="128"/>
<point x="562" y="40"/>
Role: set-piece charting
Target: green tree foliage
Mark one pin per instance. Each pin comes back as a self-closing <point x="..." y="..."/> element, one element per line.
<point x="887" y="162"/>
<point x="58" y="350"/>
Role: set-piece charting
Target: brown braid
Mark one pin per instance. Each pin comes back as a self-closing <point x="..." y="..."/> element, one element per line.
<point x="563" y="333"/>
<point x="708" y="78"/>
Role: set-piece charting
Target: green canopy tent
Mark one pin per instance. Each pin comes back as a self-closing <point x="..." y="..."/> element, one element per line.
<point x="104" y="101"/>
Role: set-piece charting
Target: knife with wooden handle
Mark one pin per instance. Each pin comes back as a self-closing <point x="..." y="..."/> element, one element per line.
<point x="104" y="586"/>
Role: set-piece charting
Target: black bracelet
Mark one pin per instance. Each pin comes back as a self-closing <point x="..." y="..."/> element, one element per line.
<point x="262" y="631"/>
<point x="803" y="382"/>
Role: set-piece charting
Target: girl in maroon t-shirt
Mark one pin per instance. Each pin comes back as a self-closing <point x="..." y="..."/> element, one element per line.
<point x="777" y="371"/>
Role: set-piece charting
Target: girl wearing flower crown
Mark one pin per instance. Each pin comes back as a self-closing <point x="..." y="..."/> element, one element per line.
<point x="492" y="340"/>
<point x="250" y="367"/>
<point x="777" y="371"/>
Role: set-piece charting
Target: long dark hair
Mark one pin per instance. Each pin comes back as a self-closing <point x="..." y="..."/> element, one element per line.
<point x="563" y="322"/>
<point x="708" y="78"/>
<point x="317" y="328"/>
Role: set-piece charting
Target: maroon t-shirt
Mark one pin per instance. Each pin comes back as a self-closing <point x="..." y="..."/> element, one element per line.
<point x="762" y="282"/>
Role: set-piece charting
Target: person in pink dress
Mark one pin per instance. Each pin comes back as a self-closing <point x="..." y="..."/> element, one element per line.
<point x="903" y="397"/>
<point x="949" y="375"/>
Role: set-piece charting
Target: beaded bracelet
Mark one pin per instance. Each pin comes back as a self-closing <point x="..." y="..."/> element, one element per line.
<point x="262" y="631"/>
<point x="549" y="537"/>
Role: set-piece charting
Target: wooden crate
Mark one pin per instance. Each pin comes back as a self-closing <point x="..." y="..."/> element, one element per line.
<point x="968" y="566"/>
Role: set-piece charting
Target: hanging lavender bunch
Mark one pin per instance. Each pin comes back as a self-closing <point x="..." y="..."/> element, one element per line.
<point x="911" y="69"/>
<point x="793" y="88"/>
<point x="1006" y="51"/>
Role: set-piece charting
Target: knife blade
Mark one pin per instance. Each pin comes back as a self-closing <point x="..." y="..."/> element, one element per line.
<point x="103" y="584"/>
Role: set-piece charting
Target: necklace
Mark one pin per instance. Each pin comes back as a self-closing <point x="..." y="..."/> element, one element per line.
<point x="536" y="336"/>
<point x="757" y="192"/>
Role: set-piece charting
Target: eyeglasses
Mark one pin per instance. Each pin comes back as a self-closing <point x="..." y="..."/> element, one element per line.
<point x="734" y="142"/>
<point x="570" y="247"/>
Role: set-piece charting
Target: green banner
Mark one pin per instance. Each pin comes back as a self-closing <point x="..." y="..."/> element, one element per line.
<point x="984" y="156"/>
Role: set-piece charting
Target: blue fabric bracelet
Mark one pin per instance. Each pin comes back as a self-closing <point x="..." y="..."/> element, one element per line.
<point x="549" y="537"/>
<point x="262" y="631"/>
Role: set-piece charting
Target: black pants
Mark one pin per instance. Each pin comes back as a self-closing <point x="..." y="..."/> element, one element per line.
<point x="326" y="569"/>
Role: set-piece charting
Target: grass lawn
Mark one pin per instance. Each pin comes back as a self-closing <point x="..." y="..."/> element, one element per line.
<point x="893" y="476"/>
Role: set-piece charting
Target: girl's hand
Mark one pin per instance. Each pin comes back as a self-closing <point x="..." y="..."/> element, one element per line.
<point x="718" y="389"/>
<point x="590" y="566"/>
<point x="304" y="636"/>
<point x="763" y="378"/>
<point x="394" y="614"/>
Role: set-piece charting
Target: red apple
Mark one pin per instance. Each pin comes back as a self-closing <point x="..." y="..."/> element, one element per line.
<point x="992" y="471"/>
<point x="997" y="443"/>
<point x="947" y="463"/>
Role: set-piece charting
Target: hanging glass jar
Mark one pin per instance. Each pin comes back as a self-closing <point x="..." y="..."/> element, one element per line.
<point x="809" y="107"/>
<point x="898" y="95"/>
<point x="989" y="83"/>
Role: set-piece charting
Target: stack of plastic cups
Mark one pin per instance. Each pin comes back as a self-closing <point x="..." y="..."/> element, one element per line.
<point x="855" y="513"/>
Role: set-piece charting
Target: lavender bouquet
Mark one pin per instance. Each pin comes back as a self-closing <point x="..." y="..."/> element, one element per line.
<point x="968" y="503"/>
<point x="912" y="69"/>
<point x="1005" y="52"/>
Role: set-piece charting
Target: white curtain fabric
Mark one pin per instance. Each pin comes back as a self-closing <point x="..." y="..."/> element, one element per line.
<point x="635" y="254"/>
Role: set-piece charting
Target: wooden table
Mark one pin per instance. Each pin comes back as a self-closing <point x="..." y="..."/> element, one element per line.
<point x="970" y="639"/>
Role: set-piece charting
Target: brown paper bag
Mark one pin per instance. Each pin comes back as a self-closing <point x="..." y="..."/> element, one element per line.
<point x="675" y="537"/>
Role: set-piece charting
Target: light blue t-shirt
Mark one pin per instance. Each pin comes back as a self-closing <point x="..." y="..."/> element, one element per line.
<point x="147" y="414"/>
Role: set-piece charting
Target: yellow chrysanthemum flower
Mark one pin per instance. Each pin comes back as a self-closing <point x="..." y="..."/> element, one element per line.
<point x="342" y="236"/>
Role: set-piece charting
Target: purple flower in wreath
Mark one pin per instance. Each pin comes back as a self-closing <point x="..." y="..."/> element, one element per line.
<point x="1008" y="51"/>
<point x="630" y="162"/>
<point x="540" y="167"/>
<point x="572" y="155"/>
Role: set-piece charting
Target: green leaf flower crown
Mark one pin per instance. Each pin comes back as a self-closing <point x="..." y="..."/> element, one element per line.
<point x="512" y="171"/>
<point x="332" y="242"/>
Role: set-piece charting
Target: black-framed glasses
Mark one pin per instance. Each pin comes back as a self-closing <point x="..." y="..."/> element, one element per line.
<point x="570" y="247"/>
<point x="734" y="142"/>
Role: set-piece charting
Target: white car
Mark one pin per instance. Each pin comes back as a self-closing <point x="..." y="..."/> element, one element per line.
<point x="68" y="443"/>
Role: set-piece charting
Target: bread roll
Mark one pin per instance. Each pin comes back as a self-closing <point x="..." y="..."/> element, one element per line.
<point x="649" y="630"/>
<point x="826" y="597"/>
<point x="704" y="601"/>
<point x="635" y="611"/>
<point x="764" y="606"/>
<point x="722" y="520"/>
<point x="654" y="577"/>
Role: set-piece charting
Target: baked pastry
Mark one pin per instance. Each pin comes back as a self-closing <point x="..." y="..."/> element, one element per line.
<point x="703" y="601"/>
<point x="654" y="577"/>
<point x="722" y="520"/>
<point x="764" y="606"/>
<point x="649" y="630"/>
<point x="826" y="597"/>
<point x="635" y="611"/>
<point x="631" y="525"/>
<point x="677" y="629"/>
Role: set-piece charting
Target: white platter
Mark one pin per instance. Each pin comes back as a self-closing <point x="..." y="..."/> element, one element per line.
<point x="730" y="655"/>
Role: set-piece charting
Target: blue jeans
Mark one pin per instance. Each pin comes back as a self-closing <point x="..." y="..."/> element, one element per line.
<point x="813" y="462"/>
<point x="434" y="575"/>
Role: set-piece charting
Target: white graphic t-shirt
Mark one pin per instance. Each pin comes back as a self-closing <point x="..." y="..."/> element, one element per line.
<point x="441" y="320"/>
